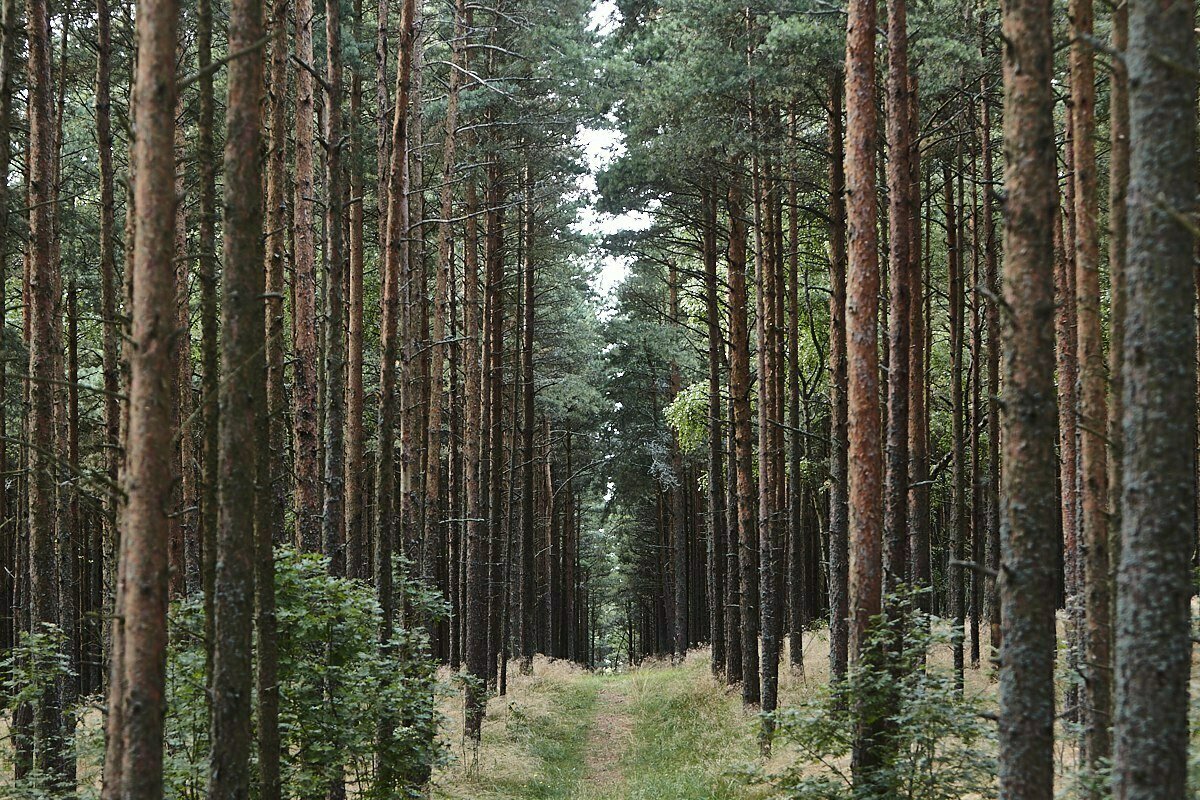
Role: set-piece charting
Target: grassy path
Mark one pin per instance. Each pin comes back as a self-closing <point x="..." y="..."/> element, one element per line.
<point x="659" y="733"/>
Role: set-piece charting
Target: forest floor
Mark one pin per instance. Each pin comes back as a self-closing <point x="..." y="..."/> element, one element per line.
<point x="657" y="732"/>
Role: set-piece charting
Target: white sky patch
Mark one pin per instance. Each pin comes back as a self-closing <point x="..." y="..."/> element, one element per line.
<point x="603" y="17"/>
<point x="601" y="146"/>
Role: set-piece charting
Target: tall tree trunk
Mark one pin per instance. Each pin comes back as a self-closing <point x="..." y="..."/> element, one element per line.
<point x="475" y="588"/>
<point x="272" y="498"/>
<point x="209" y="353"/>
<point x="1092" y="394"/>
<point x="797" y="585"/>
<point x="1028" y="514"/>
<point x="433" y="534"/>
<point x="45" y="363"/>
<point x="356" y="526"/>
<point x="958" y="466"/>
<point x="739" y="387"/>
<point x="1118" y="187"/>
<point x="395" y="263"/>
<point x="862" y="320"/>
<point x="992" y="322"/>
<point x="109" y="303"/>
<point x="242" y="403"/>
<point x="733" y="603"/>
<point x="839" y="553"/>
<point x="1158" y="503"/>
<point x="717" y="510"/>
<point x="900" y="274"/>
<point x="918" y="416"/>
<point x="1068" y="391"/>
<point x="305" y="411"/>
<point x="333" y="519"/>
<point x="494" y="408"/>
<point x="149" y="469"/>
<point x="528" y="521"/>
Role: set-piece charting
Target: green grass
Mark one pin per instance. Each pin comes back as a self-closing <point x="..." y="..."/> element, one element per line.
<point x="689" y="737"/>
<point x="671" y="733"/>
<point x="533" y="744"/>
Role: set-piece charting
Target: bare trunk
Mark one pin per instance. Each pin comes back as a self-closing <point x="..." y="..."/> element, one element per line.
<point x="150" y="466"/>
<point x="1155" y="584"/>
<point x="1092" y="395"/>
<point x="305" y="411"/>
<point x="839" y="554"/>
<point x="1028" y="488"/>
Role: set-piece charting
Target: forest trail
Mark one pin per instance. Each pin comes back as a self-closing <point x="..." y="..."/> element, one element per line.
<point x="660" y="732"/>
<point x="610" y="736"/>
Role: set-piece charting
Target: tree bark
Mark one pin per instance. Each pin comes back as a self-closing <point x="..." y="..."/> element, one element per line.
<point x="1092" y="394"/>
<point x="305" y="411"/>
<point x="862" y="394"/>
<point x="1158" y="500"/>
<point x="839" y="554"/>
<point x="150" y="466"/>
<point x="1028" y="487"/>
<point x="528" y="521"/>
<point x="717" y="511"/>
<point x="900" y="274"/>
<point x="739" y="387"/>
<point x="241" y="399"/>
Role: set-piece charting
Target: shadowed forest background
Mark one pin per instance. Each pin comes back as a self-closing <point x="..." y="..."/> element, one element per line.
<point x="638" y="399"/>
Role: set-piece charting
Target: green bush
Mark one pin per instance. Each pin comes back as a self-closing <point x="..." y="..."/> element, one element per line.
<point x="939" y="745"/>
<point x="339" y="693"/>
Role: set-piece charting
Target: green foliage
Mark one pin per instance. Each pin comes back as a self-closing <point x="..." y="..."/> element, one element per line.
<point x="337" y="687"/>
<point x="939" y="745"/>
<point x="688" y="416"/>
<point x="32" y="670"/>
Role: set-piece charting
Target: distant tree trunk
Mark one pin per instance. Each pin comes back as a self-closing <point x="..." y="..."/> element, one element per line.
<point x="1118" y="187"/>
<point x="958" y="466"/>
<point x="109" y="303"/>
<point x="767" y="297"/>
<point x="733" y="603"/>
<point x="9" y="545"/>
<point x="739" y="387"/>
<point x="992" y="322"/>
<point x="678" y="542"/>
<point x="305" y="413"/>
<point x="433" y="534"/>
<point x="333" y="518"/>
<point x="717" y="510"/>
<point x="900" y="278"/>
<point x="356" y="527"/>
<point x="862" y="315"/>
<point x="1155" y="586"/>
<point x="1068" y="391"/>
<point x="45" y="364"/>
<point x="528" y="521"/>
<point x="111" y="367"/>
<point x="272" y="453"/>
<point x="150" y="468"/>
<point x="839" y="554"/>
<point x="1028" y="521"/>
<point x="475" y="588"/>
<point x="798" y="587"/>
<point x="494" y="408"/>
<point x="209" y="353"/>
<point x="394" y="263"/>
<point x="243" y="327"/>
<point x="1092" y="394"/>
<point x="918" y="416"/>
<point x="185" y="560"/>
